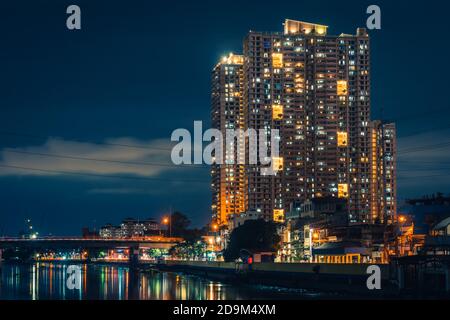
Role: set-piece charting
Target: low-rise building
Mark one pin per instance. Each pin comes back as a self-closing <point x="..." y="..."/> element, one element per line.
<point x="109" y="231"/>
<point x="307" y="225"/>
<point x="130" y="228"/>
<point x="151" y="227"/>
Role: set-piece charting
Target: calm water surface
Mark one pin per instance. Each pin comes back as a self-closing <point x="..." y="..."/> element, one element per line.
<point x="48" y="281"/>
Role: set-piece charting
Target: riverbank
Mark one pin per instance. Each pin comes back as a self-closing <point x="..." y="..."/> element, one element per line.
<point x="349" y="279"/>
<point x="343" y="279"/>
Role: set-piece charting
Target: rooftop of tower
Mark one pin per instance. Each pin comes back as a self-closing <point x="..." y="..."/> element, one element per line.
<point x="232" y="59"/>
<point x="302" y="27"/>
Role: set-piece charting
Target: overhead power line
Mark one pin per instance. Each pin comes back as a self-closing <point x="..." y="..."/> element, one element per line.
<point x="99" y="175"/>
<point x="139" y="163"/>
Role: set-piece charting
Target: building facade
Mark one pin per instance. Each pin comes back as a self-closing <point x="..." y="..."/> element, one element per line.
<point x="228" y="185"/>
<point x="384" y="164"/>
<point x="109" y="231"/>
<point x="315" y="89"/>
<point x="130" y="228"/>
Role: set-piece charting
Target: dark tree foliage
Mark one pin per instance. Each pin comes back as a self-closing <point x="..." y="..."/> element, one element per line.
<point x="180" y="228"/>
<point x="179" y="224"/>
<point x="253" y="236"/>
<point x="193" y="235"/>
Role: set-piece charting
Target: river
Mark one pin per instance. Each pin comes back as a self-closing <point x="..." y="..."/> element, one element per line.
<point x="44" y="281"/>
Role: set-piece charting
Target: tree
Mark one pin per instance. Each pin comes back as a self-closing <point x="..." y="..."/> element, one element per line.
<point x="189" y="250"/>
<point x="193" y="235"/>
<point x="254" y="236"/>
<point x="179" y="224"/>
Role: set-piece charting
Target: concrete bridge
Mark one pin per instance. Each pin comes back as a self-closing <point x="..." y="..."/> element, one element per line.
<point x="155" y="242"/>
<point x="61" y="243"/>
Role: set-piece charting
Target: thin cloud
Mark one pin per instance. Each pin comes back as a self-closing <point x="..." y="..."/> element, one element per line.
<point x="123" y="191"/>
<point x="114" y="150"/>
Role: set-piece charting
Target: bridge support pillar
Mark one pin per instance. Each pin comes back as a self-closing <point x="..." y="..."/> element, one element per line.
<point x="134" y="256"/>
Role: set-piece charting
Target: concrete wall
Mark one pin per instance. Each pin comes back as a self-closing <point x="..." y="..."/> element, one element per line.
<point x="202" y="264"/>
<point x="323" y="268"/>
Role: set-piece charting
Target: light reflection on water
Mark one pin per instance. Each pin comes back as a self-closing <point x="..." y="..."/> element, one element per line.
<point x="103" y="282"/>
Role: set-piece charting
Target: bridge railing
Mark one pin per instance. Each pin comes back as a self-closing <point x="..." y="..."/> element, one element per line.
<point x="132" y="239"/>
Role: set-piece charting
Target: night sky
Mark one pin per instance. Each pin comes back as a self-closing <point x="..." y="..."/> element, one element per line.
<point x="138" y="70"/>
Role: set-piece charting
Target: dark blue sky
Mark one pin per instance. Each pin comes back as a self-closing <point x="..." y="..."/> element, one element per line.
<point x="138" y="70"/>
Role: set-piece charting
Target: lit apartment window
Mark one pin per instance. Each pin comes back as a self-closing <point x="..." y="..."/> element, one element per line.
<point x="277" y="112"/>
<point x="277" y="60"/>
<point x="342" y="190"/>
<point x="341" y="87"/>
<point x="342" y="139"/>
<point x="277" y="163"/>
<point x="278" y="215"/>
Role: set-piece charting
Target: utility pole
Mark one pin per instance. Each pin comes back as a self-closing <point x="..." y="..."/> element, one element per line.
<point x="170" y="221"/>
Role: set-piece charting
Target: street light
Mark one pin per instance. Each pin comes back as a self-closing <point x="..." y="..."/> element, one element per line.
<point x="168" y="221"/>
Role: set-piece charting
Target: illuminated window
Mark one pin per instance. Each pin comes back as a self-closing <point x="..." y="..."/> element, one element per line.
<point x="342" y="190"/>
<point x="278" y="215"/>
<point x="342" y="139"/>
<point x="341" y="88"/>
<point x="277" y="112"/>
<point x="277" y="164"/>
<point x="321" y="30"/>
<point x="277" y="60"/>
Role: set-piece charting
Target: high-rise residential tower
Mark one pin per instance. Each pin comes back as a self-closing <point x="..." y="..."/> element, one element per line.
<point x="384" y="162"/>
<point x="228" y="183"/>
<point x="315" y="89"/>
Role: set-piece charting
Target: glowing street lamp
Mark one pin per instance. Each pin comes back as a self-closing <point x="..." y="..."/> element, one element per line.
<point x="168" y="221"/>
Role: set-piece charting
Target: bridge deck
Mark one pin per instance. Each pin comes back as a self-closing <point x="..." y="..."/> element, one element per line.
<point x="73" y="242"/>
